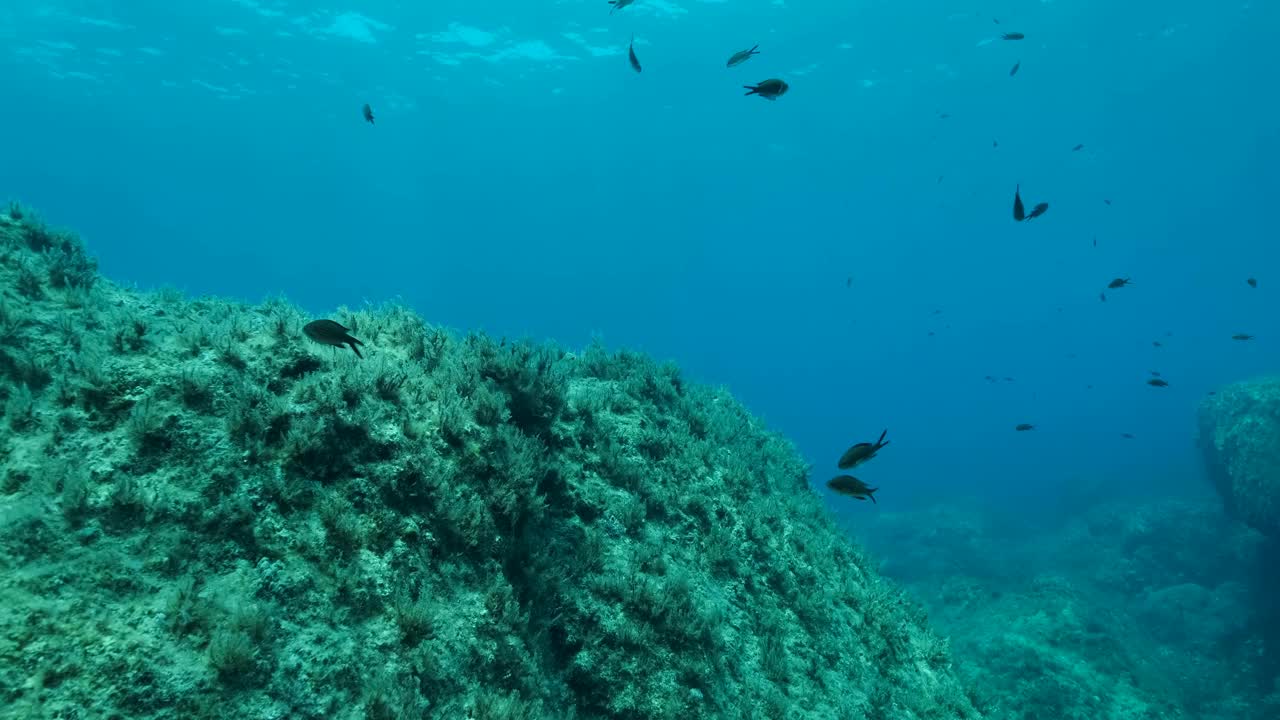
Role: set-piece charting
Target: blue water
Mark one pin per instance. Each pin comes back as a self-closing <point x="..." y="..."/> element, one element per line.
<point x="522" y="180"/>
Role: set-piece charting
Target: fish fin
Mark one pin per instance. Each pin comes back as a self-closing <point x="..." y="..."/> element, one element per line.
<point x="354" y="343"/>
<point x="750" y="90"/>
<point x="881" y="441"/>
<point x="871" y="493"/>
<point x="753" y="50"/>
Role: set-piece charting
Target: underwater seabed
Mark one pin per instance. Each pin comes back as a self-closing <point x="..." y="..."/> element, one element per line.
<point x="1154" y="610"/>
<point x="205" y="513"/>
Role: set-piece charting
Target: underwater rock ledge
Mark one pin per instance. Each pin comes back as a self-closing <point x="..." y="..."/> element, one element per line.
<point x="205" y="514"/>
<point x="1240" y="440"/>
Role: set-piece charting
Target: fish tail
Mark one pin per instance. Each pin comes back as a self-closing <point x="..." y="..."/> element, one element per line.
<point x="354" y="343"/>
<point x="871" y="493"/>
<point x="882" y="434"/>
<point x="752" y="51"/>
<point x="750" y="90"/>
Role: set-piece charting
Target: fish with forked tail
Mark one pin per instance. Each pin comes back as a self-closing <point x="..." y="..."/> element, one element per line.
<point x="861" y="452"/>
<point x="328" y="332"/>
<point x="770" y="89"/>
<point x="742" y="56"/>
<point x="851" y="486"/>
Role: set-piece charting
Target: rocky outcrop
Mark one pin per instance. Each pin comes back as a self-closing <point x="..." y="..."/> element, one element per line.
<point x="1240" y="439"/>
<point x="204" y="514"/>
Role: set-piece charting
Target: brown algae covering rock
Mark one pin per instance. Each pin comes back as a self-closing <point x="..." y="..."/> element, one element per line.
<point x="1240" y="439"/>
<point x="203" y="514"/>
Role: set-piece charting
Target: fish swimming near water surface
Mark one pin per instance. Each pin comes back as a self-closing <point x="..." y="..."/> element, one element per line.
<point x="742" y="56"/>
<point x="631" y="54"/>
<point x="770" y="89"/>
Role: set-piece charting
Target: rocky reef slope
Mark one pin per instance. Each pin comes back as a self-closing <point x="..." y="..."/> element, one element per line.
<point x="204" y="514"/>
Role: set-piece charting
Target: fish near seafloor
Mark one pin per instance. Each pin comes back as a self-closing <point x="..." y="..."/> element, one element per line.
<point x="367" y="112"/>
<point x="861" y="452"/>
<point x="742" y="56"/>
<point x="328" y="332"/>
<point x="851" y="486"/>
<point x="770" y="89"/>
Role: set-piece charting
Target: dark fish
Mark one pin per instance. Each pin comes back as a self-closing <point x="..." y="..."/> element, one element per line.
<point x="1155" y="373"/>
<point x="1253" y="282"/>
<point x="848" y="282"/>
<point x="1008" y="379"/>
<point x="619" y="4"/>
<point x="770" y="89"/>
<point x="742" y="56"/>
<point x="851" y="486"/>
<point x="1014" y="70"/>
<point x="1119" y="283"/>
<point x="1013" y="36"/>
<point x="328" y="332"/>
<point x="943" y="116"/>
<point x="368" y="113"/>
<point x="1038" y="210"/>
<point x="1156" y="343"/>
<point x="1108" y="202"/>
<point x="995" y="143"/>
<point x="1095" y="241"/>
<point x="1019" y="213"/>
<point x="1102" y="296"/>
<point x="989" y="378"/>
<point x="1126" y="436"/>
<point x="1023" y="427"/>
<point x="1078" y="148"/>
<point x="1157" y="382"/>
<point x="1241" y="336"/>
<point x="631" y="54"/>
<point x="861" y="453"/>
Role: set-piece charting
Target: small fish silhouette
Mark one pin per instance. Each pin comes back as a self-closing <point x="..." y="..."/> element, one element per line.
<point x="631" y="54"/>
<point x="742" y="56"/>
